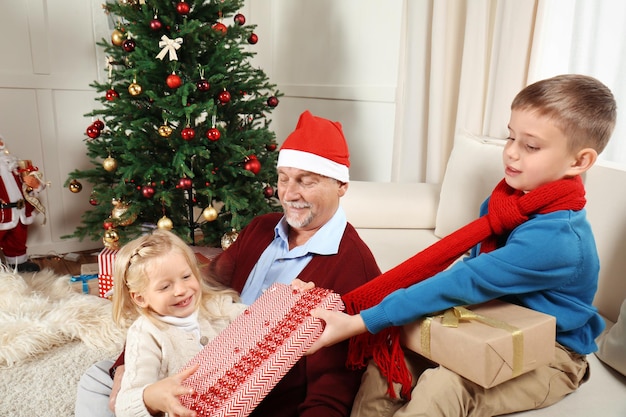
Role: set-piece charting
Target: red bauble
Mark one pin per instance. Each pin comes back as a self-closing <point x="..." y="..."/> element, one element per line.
<point x="98" y="124"/>
<point x="220" y="27"/>
<point x="129" y="45"/>
<point x="270" y="147"/>
<point x="107" y="224"/>
<point x="147" y="191"/>
<point x="183" y="8"/>
<point x="155" y="24"/>
<point x="93" y="201"/>
<point x="184" y="183"/>
<point x="272" y="101"/>
<point x="173" y="81"/>
<point x="253" y="38"/>
<point x="253" y="165"/>
<point x="268" y="191"/>
<point x="213" y="134"/>
<point x="188" y="133"/>
<point x="203" y="85"/>
<point x="111" y="95"/>
<point x="224" y="97"/>
<point x="93" y="132"/>
<point x="240" y="19"/>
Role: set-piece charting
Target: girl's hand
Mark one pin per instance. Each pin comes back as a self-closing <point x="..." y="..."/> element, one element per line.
<point x="301" y="286"/>
<point x="162" y="396"/>
<point x="339" y="326"/>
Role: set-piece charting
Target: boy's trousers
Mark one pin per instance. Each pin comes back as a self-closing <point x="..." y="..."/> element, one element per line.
<point x="437" y="391"/>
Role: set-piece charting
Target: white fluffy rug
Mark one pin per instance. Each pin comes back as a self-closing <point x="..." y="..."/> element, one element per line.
<point x="49" y="335"/>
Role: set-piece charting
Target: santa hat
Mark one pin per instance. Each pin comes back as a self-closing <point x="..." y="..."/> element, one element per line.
<point x="317" y="145"/>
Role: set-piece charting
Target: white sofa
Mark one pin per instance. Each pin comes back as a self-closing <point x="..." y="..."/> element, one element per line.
<point x="397" y="220"/>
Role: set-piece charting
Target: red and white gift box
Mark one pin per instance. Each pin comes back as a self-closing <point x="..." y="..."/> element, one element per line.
<point x="247" y="359"/>
<point x="106" y="259"/>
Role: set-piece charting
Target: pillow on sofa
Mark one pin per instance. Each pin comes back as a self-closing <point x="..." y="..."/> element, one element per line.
<point x="612" y="343"/>
<point x="473" y="170"/>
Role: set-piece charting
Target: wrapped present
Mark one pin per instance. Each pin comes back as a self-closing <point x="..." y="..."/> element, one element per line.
<point x="488" y="344"/>
<point x="86" y="282"/>
<point x="248" y="358"/>
<point x="106" y="259"/>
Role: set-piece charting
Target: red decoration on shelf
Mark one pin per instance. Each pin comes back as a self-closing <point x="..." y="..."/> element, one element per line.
<point x="272" y="101"/>
<point x="253" y="39"/>
<point x="183" y="8"/>
<point x="213" y="134"/>
<point x="173" y="81"/>
<point x="224" y="97"/>
<point x="240" y="19"/>
<point x="111" y="94"/>
<point x="188" y="133"/>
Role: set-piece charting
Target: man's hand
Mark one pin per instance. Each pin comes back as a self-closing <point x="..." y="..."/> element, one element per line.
<point x="339" y="326"/>
<point x="301" y="286"/>
<point x="115" y="389"/>
<point x="162" y="396"/>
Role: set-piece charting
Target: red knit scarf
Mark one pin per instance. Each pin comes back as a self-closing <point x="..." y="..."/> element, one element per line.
<point x="508" y="208"/>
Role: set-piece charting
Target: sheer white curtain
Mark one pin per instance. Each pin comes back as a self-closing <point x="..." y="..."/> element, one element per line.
<point x="463" y="63"/>
<point x="586" y="37"/>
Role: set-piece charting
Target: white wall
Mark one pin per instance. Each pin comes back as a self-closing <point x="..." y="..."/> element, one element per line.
<point x="338" y="59"/>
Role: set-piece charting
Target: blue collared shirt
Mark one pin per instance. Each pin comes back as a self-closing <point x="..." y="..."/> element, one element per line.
<point x="279" y="264"/>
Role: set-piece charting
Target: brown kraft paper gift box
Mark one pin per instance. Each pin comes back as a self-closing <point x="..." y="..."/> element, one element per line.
<point x="502" y="342"/>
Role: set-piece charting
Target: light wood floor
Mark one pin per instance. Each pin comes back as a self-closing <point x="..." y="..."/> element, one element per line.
<point x="64" y="266"/>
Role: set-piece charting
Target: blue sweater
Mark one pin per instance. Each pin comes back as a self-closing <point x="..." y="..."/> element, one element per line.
<point x="549" y="264"/>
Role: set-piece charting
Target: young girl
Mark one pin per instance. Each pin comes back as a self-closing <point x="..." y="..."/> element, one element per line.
<point x="157" y="284"/>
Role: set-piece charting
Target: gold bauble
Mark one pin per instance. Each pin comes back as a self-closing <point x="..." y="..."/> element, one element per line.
<point x="229" y="238"/>
<point x="209" y="214"/>
<point x="117" y="37"/>
<point x="109" y="164"/>
<point x="119" y="213"/>
<point x="134" y="89"/>
<point x="165" y="131"/>
<point x="111" y="239"/>
<point x="165" y="223"/>
<point x="75" y="186"/>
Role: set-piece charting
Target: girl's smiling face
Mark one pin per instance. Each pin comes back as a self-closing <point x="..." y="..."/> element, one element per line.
<point x="172" y="290"/>
<point x="536" y="152"/>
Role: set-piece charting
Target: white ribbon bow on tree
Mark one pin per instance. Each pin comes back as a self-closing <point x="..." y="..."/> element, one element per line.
<point x="169" y="45"/>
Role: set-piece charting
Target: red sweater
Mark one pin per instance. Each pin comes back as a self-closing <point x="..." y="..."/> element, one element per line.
<point x="320" y="384"/>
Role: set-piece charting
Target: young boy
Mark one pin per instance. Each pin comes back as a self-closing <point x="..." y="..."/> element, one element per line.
<point x="532" y="246"/>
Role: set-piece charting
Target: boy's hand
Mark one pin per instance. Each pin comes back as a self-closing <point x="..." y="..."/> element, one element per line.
<point x="162" y="396"/>
<point x="301" y="286"/>
<point x="339" y="326"/>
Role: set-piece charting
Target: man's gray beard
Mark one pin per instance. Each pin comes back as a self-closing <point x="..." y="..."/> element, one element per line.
<point x="299" y="224"/>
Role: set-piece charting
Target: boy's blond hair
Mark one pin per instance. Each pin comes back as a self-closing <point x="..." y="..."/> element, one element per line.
<point x="130" y="273"/>
<point x="581" y="107"/>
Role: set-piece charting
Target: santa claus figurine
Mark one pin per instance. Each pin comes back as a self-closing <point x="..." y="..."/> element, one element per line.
<point x="20" y="185"/>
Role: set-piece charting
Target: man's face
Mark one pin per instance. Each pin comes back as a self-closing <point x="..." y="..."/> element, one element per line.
<point x="309" y="200"/>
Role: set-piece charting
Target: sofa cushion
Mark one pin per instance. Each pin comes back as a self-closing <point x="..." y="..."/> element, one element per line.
<point x="612" y="343"/>
<point x="474" y="168"/>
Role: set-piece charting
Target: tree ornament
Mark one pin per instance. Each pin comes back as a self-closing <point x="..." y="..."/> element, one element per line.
<point x="111" y="239"/>
<point x="229" y="238"/>
<point x="93" y="200"/>
<point x="209" y="214"/>
<point x="155" y="24"/>
<point x="75" y="186"/>
<point x="117" y="37"/>
<point x="184" y="183"/>
<point x="129" y="45"/>
<point x="188" y="133"/>
<point x="224" y="97"/>
<point x="109" y="164"/>
<point x="165" y="131"/>
<point x="272" y="101"/>
<point x="108" y="224"/>
<point x="253" y="39"/>
<point x="120" y="213"/>
<point x="220" y="27"/>
<point x="240" y="19"/>
<point x="271" y="147"/>
<point x="134" y="89"/>
<point x="183" y="8"/>
<point x="165" y="223"/>
<point x="268" y="191"/>
<point x="213" y="134"/>
<point x="252" y="164"/>
<point x="111" y="94"/>
<point x="92" y="131"/>
<point x="170" y="46"/>
<point x="98" y="124"/>
<point x="173" y="81"/>
<point x="203" y="85"/>
<point x="147" y="191"/>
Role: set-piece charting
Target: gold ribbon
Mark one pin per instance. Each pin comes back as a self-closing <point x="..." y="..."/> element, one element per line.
<point x="452" y="317"/>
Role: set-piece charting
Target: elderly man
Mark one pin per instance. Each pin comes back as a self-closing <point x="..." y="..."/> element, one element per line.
<point x="312" y="241"/>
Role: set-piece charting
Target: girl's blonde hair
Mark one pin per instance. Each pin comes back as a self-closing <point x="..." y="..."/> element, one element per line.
<point x="130" y="274"/>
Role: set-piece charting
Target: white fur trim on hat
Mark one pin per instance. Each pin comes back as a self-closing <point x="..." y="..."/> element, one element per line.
<point x="313" y="163"/>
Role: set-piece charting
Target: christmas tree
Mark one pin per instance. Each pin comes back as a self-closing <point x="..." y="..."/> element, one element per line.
<point x="181" y="140"/>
